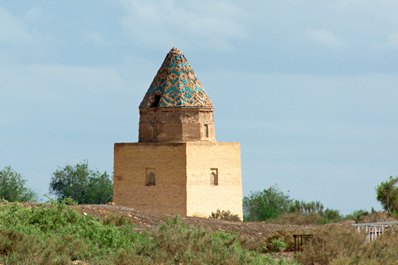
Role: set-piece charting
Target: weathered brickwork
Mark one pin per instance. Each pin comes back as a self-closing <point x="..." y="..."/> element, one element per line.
<point x="130" y="163"/>
<point x="204" y="198"/>
<point x="176" y="125"/>
<point x="183" y="173"/>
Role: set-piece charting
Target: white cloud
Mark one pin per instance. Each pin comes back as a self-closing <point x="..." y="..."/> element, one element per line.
<point x="12" y="30"/>
<point x="199" y="25"/>
<point x="324" y="37"/>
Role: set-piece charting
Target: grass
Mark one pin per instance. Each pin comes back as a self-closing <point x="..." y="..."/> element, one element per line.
<point x="55" y="234"/>
<point x="342" y="245"/>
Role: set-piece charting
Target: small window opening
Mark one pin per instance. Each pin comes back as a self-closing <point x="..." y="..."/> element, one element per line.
<point x="214" y="176"/>
<point x="150" y="177"/>
<point x="206" y="130"/>
<point x="156" y="101"/>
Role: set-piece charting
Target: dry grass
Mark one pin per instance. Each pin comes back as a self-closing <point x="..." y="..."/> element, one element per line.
<point x="298" y="218"/>
<point x="342" y="245"/>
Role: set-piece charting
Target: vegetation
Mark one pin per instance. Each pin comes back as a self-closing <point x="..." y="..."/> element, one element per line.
<point x="13" y="187"/>
<point x="81" y="184"/>
<point x="55" y="234"/>
<point x="267" y="204"/>
<point x="387" y="195"/>
<point x="340" y="245"/>
<point x="52" y="233"/>
<point x="273" y="204"/>
<point x="278" y="245"/>
<point x="224" y="215"/>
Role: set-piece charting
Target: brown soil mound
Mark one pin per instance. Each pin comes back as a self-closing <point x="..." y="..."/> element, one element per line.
<point x="249" y="231"/>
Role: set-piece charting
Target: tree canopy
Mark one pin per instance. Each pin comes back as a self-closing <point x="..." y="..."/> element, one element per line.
<point x="81" y="184"/>
<point x="387" y="195"/>
<point x="266" y="204"/>
<point x="272" y="203"/>
<point x="13" y="186"/>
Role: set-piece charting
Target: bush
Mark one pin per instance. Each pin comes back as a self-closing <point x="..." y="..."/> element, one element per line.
<point x="183" y="242"/>
<point x="342" y="245"/>
<point x="331" y="242"/>
<point x="63" y="233"/>
<point x="298" y="218"/>
<point x="277" y="245"/>
<point x="224" y="215"/>
<point x="55" y="234"/>
<point x="116" y="219"/>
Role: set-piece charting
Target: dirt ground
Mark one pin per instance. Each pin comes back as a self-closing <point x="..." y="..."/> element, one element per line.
<point x="249" y="231"/>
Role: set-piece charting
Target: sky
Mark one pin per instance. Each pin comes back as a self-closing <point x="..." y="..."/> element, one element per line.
<point x="309" y="88"/>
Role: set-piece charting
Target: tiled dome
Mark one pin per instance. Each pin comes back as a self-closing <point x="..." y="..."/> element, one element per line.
<point x="176" y="86"/>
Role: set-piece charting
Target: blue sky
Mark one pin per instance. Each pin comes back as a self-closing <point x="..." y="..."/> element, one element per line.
<point x="307" y="87"/>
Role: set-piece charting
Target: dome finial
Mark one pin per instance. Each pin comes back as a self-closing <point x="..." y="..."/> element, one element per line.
<point x="175" y="50"/>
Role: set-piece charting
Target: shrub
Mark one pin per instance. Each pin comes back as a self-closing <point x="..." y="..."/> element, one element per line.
<point x="55" y="234"/>
<point x="63" y="232"/>
<point x="362" y="216"/>
<point x="116" y="219"/>
<point x="278" y="245"/>
<point x="183" y="242"/>
<point x="330" y="242"/>
<point x="224" y="215"/>
<point x="298" y="218"/>
<point x="282" y="241"/>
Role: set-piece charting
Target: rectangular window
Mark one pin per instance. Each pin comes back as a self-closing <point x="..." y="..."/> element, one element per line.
<point x="214" y="176"/>
<point x="206" y="130"/>
<point x="150" y="179"/>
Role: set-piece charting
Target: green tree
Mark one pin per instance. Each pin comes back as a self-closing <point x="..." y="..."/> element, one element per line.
<point x="387" y="195"/>
<point x="357" y="215"/>
<point x="267" y="204"/>
<point x="12" y="187"/>
<point x="81" y="184"/>
<point x="331" y="215"/>
<point x="303" y="207"/>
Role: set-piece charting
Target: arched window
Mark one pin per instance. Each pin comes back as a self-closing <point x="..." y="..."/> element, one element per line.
<point x="214" y="176"/>
<point x="150" y="177"/>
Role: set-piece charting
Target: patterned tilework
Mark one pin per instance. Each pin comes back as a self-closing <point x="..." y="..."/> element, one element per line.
<point x="176" y="85"/>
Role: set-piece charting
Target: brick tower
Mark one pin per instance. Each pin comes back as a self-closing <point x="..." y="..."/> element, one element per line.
<point x="177" y="167"/>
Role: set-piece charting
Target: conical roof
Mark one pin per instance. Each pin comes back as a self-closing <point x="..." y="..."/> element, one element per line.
<point x="176" y="86"/>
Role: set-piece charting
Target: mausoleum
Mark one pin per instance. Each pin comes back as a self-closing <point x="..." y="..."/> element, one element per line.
<point x="177" y="166"/>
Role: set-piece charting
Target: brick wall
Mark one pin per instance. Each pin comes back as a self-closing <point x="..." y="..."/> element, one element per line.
<point x="130" y="163"/>
<point x="183" y="172"/>
<point x="176" y="125"/>
<point x="203" y="159"/>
